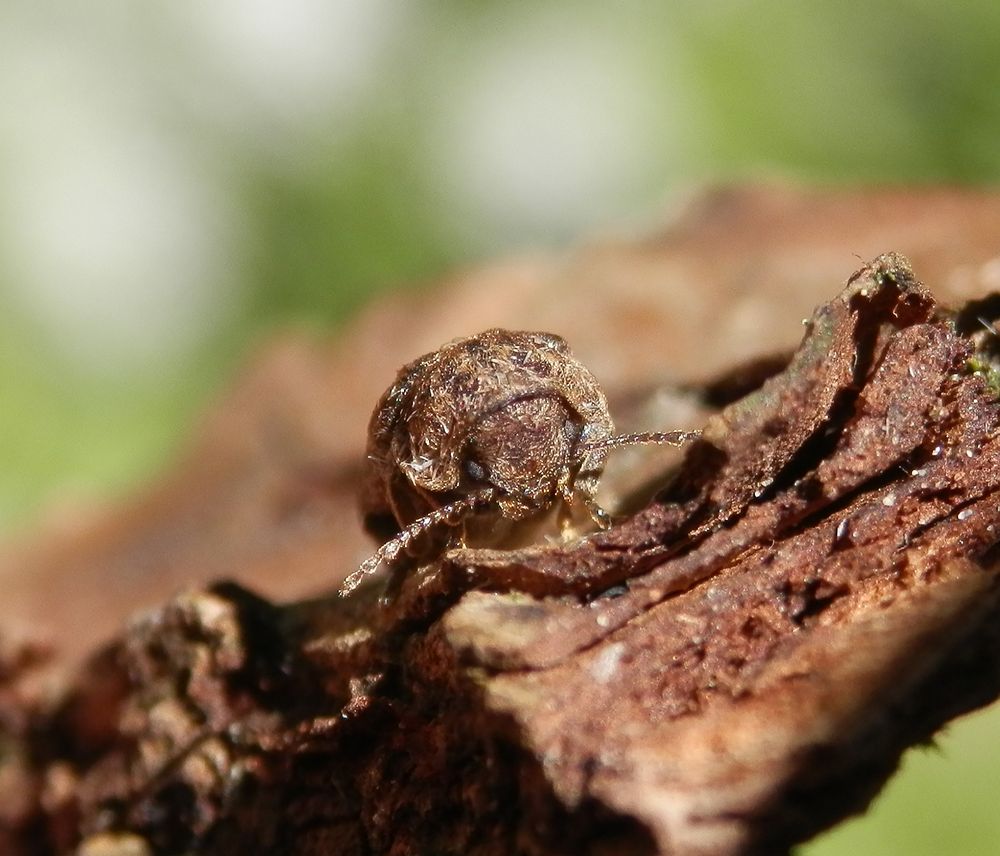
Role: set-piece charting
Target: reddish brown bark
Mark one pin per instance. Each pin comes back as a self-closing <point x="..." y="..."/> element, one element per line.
<point x="735" y="666"/>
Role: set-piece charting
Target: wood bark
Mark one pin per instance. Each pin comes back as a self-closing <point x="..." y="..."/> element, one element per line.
<point x="739" y="663"/>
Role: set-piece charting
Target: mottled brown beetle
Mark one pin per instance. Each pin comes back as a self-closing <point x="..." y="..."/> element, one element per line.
<point x="507" y="422"/>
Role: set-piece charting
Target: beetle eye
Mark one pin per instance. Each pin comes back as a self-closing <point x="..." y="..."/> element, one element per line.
<point x="475" y="470"/>
<point x="574" y="432"/>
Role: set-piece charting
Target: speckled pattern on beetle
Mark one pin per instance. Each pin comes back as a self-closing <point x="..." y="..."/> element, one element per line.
<point x="503" y="423"/>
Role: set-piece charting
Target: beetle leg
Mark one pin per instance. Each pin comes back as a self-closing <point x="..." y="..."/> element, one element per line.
<point x="564" y="516"/>
<point x="460" y="535"/>
<point x="582" y="494"/>
<point x="601" y="517"/>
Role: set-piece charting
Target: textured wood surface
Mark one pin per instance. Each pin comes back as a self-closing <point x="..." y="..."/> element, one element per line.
<point x="788" y="605"/>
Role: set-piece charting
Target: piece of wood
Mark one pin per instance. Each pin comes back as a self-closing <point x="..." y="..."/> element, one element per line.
<point x="737" y="665"/>
<point x="265" y="490"/>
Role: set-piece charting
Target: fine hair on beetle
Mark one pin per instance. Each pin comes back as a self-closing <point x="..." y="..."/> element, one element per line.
<point x="503" y="424"/>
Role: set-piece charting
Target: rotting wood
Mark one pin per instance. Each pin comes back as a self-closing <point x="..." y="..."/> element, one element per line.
<point x="733" y="668"/>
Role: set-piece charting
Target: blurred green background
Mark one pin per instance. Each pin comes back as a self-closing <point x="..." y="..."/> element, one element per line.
<point x="177" y="178"/>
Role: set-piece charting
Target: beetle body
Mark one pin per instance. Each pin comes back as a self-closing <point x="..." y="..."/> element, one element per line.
<point x="503" y="423"/>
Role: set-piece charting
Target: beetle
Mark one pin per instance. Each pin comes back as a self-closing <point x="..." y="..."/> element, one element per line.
<point x="503" y="424"/>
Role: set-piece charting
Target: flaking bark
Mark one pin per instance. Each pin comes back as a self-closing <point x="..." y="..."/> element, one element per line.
<point x="734" y="667"/>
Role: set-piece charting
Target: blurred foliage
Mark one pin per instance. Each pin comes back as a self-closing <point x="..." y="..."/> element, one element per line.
<point x="331" y="238"/>
<point x="942" y="801"/>
<point x="465" y="130"/>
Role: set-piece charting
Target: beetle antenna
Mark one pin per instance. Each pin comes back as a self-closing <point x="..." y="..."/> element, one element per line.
<point x="447" y="515"/>
<point x="671" y="438"/>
